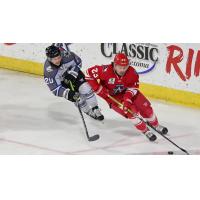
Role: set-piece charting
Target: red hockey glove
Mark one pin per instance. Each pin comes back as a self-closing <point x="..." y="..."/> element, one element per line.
<point x="127" y="105"/>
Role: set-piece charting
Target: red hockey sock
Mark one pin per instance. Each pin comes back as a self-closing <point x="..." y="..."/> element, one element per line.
<point x="153" y="120"/>
<point x="140" y="125"/>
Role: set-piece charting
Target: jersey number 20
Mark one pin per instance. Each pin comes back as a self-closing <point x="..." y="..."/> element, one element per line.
<point x="48" y="80"/>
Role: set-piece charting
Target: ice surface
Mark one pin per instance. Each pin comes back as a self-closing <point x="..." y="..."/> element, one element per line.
<point x="33" y="121"/>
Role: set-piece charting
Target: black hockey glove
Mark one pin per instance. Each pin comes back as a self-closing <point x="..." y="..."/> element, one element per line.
<point x="73" y="96"/>
<point x="69" y="77"/>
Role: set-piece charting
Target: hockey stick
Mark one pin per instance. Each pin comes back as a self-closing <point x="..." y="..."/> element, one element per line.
<point x="90" y="138"/>
<point x="130" y="111"/>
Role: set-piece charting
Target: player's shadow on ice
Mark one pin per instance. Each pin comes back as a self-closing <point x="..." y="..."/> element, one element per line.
<point x="64" y="112"/>
<point x="62" y="117"/>
<point x="131" y="132"/>
<point x="123" y="127"/>
<point x="23" y="117"/>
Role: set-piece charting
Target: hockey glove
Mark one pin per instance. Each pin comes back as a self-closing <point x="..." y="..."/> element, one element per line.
<point x="73" y="96"/>
<point x="69" y="77"/>
<point x="127" y="105"/>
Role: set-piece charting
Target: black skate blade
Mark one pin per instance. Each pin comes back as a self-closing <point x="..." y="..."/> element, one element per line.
<point x="94" y="138"/>
<point x="100" y="118"/>
<point x="95" y="119"/>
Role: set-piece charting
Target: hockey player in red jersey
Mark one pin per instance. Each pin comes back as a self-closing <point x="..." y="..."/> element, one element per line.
<point x="121" y="81"/>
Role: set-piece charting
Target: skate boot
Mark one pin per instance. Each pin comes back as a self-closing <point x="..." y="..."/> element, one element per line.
<point x="95" y="113"/>
<point x="150" y="136"/>
<point x="98" y="114"/>
<point x="162" y="130"/>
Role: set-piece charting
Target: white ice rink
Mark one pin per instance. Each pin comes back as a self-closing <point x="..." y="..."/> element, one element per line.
<point x="33" y="121"/>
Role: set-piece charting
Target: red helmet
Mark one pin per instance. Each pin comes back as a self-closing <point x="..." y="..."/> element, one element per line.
<point x="121" y="59"/>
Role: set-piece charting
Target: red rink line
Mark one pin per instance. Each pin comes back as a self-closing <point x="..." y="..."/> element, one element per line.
<point x="115" y="144"/>
<point x="33" y="146"/>
<point x="49" y="149"/>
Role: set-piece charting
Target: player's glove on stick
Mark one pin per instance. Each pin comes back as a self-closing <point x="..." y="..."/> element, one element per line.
<point x="128" y="103"/>
<point x="69" y="77"/>
<point x="73" y="96"/>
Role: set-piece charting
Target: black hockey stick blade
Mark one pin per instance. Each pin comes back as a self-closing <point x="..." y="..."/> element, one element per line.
<point x="185" y="151"/>
<point x="93" y="138"/>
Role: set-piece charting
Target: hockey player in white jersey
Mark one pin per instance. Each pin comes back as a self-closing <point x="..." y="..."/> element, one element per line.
<point x="63" y="75"/>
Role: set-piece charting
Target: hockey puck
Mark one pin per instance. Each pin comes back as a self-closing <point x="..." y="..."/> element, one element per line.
<point x="170" y="152"/>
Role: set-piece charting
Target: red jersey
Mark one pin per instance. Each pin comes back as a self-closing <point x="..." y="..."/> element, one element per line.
<point x="105" y="76"/>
